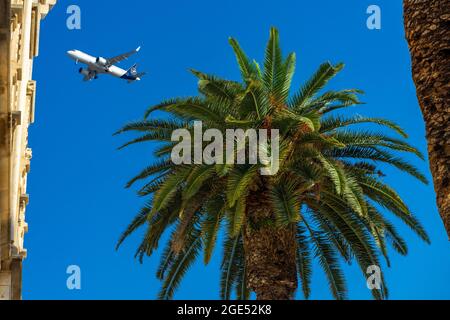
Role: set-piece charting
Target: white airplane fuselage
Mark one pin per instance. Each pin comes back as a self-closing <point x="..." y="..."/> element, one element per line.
<point x="98" y="66"/>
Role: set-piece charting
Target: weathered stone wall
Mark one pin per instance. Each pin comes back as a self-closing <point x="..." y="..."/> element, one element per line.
<point x="19" y="41"/>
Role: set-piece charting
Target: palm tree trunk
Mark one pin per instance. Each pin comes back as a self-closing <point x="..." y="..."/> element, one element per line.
<point x="427" y="26"/>
<point x="269" y="252"/>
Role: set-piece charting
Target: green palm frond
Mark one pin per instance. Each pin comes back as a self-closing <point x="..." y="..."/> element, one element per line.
<point x="180" y="264"/>
<point x="274" y="76"/>
<point x="237" y="216"/>
<point x="337" y="122"/>
<point x="239" y="180"/>
<point x="196" y="180"/>
<point x="199" y="109"/>
<point x="371" y="139"/>
<point x="151" y="187"/>
<point x="211" y="224"/>
<point x="232" y="253"/>
<point x="139" y="220"/>
<point x="248" y="69"/>
<point x="352" y="227"/>
<point x="161" y="106"/>
<point x="242" y="290"/>
<point x="389" y="199"/>
<point x="304" y="261"/>
<point x="157" y="224"/>
<point x="388" y="230"/>
<point x="151" y="125"/>
<point x="329" y="262"/>
<point x="376" y="154"/>
<point x="286" y="200"/>
<point x="332" y="100"/>
<point x="320" y="217"/>
<point x="169" y="187"/>
<point x="153" y="136"/>
<point x="155" y="168"/>
<point x="332" y="172"/>
<point x="216" y="88"/>
<point x="324" y="74"/>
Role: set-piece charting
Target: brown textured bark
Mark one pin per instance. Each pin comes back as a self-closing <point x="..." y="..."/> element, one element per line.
<point x="427" y="26"/>
<point x="269" y="252"/>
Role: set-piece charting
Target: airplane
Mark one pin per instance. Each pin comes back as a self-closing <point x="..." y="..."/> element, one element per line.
<point x="99" y="65"/>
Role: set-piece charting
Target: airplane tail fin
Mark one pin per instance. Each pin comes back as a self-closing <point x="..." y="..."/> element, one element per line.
<point x="133" y="70"/>
<point x="132" y="74"/>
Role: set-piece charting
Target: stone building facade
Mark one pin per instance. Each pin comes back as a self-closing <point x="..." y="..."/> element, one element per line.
<point x="19" y="42"/>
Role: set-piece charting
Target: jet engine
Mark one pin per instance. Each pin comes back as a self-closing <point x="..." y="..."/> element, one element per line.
<point x="84" y="72"/>
<point x="88" y="75"/>
<point x="101" y="61"/>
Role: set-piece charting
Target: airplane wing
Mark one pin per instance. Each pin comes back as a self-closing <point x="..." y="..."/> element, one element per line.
<point x="121" y="57"/>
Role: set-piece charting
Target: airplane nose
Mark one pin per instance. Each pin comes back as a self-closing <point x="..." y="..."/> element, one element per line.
<point x="71" y="53"/>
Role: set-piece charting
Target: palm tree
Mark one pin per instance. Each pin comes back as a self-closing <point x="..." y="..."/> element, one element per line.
<point x="325" y="202"/>
<point x="428" y="35"/>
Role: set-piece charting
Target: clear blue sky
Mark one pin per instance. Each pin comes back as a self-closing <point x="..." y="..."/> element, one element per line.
<point x="78" y="206"/>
